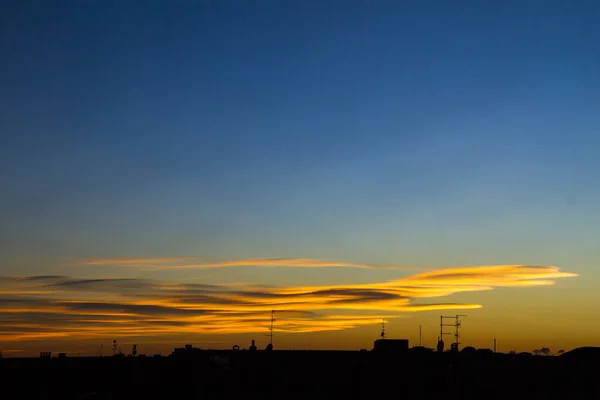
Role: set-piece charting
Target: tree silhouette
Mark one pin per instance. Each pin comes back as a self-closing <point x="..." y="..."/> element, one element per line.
<point x="543" y="351"/>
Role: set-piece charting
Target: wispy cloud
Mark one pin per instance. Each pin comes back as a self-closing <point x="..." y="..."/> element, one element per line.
<point x="136" y="261"/>
<point x="63" y="307"/>
<point x="153" y="264"/>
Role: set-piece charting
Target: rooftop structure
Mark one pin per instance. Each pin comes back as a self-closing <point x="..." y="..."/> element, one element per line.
<point x="390" y="345"/>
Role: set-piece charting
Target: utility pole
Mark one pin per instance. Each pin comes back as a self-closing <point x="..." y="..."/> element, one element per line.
<point x="419" y="335"/>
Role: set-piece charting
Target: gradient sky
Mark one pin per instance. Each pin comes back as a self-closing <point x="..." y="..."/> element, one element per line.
<point x="147" y="142"/>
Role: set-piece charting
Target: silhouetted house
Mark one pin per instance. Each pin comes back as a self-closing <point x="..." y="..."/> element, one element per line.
<point x="390" y="345"/>
<point x="62" y="355"/>
<point x="178" y="351"/>
<point x="186" y="351"/>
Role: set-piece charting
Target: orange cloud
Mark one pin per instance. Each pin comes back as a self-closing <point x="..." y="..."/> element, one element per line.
<point x="42" y="307"/>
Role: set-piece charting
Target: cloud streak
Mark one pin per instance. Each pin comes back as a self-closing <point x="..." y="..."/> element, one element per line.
<point x="157" y="264"/>
<point x="46" y="307"/>
<point x="136" y="261"/>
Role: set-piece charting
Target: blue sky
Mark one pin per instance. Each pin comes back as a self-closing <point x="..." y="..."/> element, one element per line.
<point x="422" y="133"/>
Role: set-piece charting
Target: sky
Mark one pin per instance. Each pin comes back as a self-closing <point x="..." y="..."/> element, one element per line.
<point x="173" y="172"/>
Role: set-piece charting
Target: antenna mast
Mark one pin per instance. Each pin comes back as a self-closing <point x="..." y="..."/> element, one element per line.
<point x="419" y="335"/>
<point x="271" y="327"/>
<point x="456" y="325"/>
<point x="383" y="328"/>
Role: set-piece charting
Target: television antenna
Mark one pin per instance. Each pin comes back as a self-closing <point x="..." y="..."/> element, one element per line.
<point x="456" y="324"/>
<point x="383" y="328"/>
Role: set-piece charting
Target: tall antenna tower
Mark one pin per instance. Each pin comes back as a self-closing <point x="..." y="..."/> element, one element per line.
<point x="271" y="327"/>
<point x="420" y="335"/>
<point x="114" y="347"/>
<point x="383" y="328"/>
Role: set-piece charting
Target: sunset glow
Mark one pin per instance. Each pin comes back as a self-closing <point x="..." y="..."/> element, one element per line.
<point x="41" y="307"/>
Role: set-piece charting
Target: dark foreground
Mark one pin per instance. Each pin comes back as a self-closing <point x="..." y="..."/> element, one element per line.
<point x="304" y="374"/>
